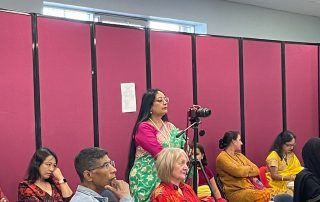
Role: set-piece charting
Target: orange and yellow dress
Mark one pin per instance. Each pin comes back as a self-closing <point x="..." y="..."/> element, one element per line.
<point x="235" y="172"/>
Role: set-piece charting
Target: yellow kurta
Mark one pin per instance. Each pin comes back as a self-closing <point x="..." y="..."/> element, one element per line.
<point x="234" y="172"/>
<point x="291" y="167"/>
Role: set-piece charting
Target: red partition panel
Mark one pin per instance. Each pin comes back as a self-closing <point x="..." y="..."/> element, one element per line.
<point x="171" y="71"/>
<point x="16" y="104"/>
<point x="120" y="59"/>
<point x="262" y="97"/>
<point x="65" y="90"/>
<point x="302" y="92"/>
<point x="218" y="89"/>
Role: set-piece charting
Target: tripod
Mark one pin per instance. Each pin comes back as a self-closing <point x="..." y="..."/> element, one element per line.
<point x="193" y="166"/>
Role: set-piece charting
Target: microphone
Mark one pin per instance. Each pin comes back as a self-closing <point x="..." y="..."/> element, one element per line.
<point x="181" y="132"/>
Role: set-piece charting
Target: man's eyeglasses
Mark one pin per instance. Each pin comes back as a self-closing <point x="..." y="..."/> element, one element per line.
<point x="162" y="99"/>
<point x="105" y="165"/>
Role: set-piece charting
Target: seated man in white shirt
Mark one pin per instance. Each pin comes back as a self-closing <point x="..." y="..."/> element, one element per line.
<point x="98" y="175"/>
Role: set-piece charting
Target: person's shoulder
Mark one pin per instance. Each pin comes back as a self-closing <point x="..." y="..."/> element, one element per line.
<point x="158" y="191"/>
<point x="187" y="186"/>
<point x="25" y="183"/>
<point x="145" y="125"/>
<point x="81" y="197"/>
<point x="222" y="154"/>
<point x="207" y="169"/>
<point x="273" y="155"/>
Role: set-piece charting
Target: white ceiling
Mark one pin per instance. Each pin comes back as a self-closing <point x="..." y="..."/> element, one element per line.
<point x="306" y="7"/>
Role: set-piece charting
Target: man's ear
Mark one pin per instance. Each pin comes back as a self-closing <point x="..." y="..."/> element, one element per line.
<point x="87" y="176"/>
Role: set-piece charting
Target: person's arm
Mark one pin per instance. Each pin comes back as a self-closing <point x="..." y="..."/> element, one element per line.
<point x="273" y="164"/>
<point x="147" y="139"/>
<point x="231" y="168"/>
<point x="64" y="187"/>
<point x="254" y="170"/>
<point x="216" y="193"/>
<point x="275" y="175"/>
<point x="3" y="198"/>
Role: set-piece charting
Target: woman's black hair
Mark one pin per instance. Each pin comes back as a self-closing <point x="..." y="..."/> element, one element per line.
<point x="282" y="138"/>
<point x="311" y="156"/>
<point x="227" y="139"/>
<point x="204" y="160"/>
<point x="144" y="114"/>
<point x="37" y="159"/>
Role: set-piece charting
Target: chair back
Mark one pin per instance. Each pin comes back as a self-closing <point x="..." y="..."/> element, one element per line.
<point x="220" y="186"/>
<point x="263" y="176"/>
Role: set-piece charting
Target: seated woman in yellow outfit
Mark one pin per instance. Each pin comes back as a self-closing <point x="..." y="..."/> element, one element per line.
<point x="282" y="163"/>
<point x="237" y="173"/>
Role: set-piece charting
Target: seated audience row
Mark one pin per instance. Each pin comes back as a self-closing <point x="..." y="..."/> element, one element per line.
<point x="45" y="181"/>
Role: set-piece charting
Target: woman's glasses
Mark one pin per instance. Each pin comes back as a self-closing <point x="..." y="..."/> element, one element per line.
<point x="162" y="99"/>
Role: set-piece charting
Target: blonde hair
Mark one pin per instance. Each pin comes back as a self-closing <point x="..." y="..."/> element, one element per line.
<point x="166" y="160"/>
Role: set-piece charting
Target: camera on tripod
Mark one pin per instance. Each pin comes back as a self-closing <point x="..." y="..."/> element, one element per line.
<point x="197" y="111"/>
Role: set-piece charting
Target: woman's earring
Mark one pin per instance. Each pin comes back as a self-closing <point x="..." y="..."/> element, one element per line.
<point x="150" y="112"/>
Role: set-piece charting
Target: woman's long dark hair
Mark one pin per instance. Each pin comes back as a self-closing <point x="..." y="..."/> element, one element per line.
<point x="311" y="155"/>
<point x="144" y="114"/>
<point x="282" y="138"/>
<point x="37" y="159"/>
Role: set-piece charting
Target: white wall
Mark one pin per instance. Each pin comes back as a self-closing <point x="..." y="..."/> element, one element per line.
<point x="222" y="17"/>
<point x="24" y="6"/>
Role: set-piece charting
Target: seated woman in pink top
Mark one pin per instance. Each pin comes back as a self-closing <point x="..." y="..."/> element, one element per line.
<point x="151" y="133"/>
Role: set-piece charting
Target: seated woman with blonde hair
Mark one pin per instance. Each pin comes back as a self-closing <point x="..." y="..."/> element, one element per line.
<point x="172" y="168"/>
<point x="282" y="163"/>
<point x="237" y="173"/>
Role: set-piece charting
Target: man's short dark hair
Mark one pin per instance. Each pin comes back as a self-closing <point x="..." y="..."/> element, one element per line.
<point x="87" y="159"/>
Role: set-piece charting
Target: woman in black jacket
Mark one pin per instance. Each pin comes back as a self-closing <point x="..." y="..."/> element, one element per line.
<point x="307" y="182"/>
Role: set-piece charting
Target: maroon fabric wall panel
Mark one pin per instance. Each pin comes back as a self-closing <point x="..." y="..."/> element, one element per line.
<point x="171" y="71"/>
<point x="302" y="92"/>
<point x="65" y="90"/>
<point x="218" y="89"/>
<point x="120" y="59"/>
<point x="16" y="104"/>
<point x="262" y="96"/>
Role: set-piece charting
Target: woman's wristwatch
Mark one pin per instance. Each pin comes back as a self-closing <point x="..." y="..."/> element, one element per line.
<point x="62" y="181"/>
